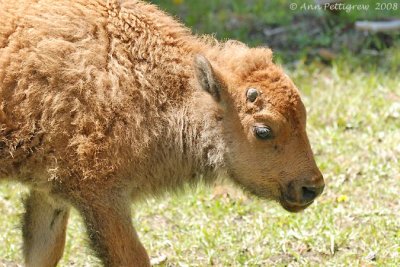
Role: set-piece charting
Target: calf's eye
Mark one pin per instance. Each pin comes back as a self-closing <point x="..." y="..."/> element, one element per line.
<point x="263" y="132"/>
<point x="252" y="94"/>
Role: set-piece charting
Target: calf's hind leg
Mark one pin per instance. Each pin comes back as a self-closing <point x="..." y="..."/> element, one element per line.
<point x="110" y="229"/>
<point x="44" y="227"/>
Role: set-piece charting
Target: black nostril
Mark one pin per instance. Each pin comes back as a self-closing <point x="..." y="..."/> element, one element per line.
<point x="309" y="193"/>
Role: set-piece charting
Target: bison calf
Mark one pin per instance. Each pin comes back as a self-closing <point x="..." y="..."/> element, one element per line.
<point x="102" y="103"/>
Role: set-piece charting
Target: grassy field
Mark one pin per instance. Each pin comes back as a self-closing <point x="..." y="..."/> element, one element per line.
<point x="353" y="104"/>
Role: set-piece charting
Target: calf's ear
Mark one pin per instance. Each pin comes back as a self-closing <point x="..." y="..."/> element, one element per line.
<point x="207" y="77"/>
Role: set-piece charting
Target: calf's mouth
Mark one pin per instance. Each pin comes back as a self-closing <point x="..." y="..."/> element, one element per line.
<point x="293" y="207"/>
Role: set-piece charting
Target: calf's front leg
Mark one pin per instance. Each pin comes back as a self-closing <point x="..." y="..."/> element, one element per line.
<point x="110" y="229"/>
<point x="43" y="226"/>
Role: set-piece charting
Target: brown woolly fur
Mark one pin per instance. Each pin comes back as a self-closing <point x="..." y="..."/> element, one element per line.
<point x="104" y="102"/>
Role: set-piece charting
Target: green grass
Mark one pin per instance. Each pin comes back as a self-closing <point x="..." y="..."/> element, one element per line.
<point x="301" y="31"/>
<point x="354" y="128"/>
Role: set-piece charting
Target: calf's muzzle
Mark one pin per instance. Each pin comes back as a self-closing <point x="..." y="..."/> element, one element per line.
<point x="300" y="193"/>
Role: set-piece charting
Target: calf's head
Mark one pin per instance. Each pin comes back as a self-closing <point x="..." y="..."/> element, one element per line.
<point x="264" y="126"/>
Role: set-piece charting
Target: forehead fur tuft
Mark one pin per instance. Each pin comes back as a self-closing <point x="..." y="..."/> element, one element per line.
<point x="242" y="60"/>
<point x="255" y="66"/>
